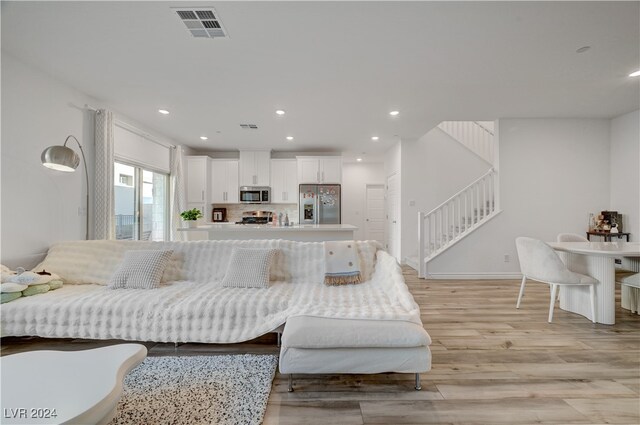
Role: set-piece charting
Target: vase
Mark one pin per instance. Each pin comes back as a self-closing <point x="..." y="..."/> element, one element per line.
<point x="191" y="224"/>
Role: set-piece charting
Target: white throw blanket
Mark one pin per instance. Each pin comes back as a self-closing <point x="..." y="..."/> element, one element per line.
<point x="341" y="263"/>
<point x="191" y="305"/>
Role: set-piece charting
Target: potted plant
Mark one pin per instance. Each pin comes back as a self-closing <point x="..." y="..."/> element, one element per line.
<point x="190" y="216"/>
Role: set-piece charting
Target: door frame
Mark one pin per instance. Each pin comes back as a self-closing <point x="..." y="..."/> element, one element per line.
<point x="397" y="254"/>
<point x="384" y="198"/>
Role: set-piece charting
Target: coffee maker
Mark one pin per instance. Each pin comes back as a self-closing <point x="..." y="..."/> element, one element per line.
<point x="219" y="215"/>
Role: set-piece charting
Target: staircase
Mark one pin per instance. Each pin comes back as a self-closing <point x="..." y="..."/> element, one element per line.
<point x="467" y="210"/>
<point x="477" y="136"/>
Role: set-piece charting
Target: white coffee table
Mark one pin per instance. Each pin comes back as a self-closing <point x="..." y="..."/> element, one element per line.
<point x="78" y="387"/>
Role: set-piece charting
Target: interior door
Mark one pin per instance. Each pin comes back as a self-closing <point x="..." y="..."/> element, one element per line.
<point x="374" y="213"/>
<point x="393" y="216"/>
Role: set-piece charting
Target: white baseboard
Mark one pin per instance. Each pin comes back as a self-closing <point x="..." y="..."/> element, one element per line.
<point x="477" y="275"/>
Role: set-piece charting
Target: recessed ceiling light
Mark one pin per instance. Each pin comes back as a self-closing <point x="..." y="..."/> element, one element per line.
<point x="204" y="138"/>
<point x="289" y="137"/>
<point x="583" y="49"/>
<point x="163" y="111"/>
<point x="374" y="138"/>
<point x="394" y="113"/>
<point x="635" y="74"/>
<point x="359" y="159"/>
<point x="280" y="112"/>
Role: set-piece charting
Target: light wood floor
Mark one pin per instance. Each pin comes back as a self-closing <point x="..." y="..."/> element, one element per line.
<point x="492" y="364"/>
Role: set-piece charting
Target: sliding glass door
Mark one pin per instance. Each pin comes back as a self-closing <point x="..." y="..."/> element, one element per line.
<point x="141" y="203"/>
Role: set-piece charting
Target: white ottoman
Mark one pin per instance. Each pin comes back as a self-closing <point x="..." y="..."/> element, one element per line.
<point x="73" y="387"/>
<point x="325" y="345"/>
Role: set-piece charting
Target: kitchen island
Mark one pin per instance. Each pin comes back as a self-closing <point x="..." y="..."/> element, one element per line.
<point x="302" y="233"/>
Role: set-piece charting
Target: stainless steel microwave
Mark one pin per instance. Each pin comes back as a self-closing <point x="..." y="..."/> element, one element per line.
<point x="255" y="194"/>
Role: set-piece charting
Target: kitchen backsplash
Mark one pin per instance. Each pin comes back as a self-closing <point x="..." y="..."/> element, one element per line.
<point x="234" y="211"/>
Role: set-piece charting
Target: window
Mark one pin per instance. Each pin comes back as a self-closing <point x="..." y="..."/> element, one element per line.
<point x="141" y="203"/>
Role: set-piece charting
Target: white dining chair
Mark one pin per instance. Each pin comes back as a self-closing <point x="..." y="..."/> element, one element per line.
<point x="539" y="262"/>
<point x="633" y="283"/>
<point x="571" y="237"/>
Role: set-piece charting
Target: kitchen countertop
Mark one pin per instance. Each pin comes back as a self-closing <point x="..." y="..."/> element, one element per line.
<point x="229" y="227"/>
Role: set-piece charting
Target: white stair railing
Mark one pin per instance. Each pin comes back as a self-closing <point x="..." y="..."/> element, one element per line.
<point x="473" y="135"/>
<point x="455" y="218"/>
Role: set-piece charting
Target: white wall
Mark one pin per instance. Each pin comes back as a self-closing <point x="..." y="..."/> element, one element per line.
<point x="39" y="206"/>
<point x="554" y="172"/>
<point x="434" y="168"/>
<point x="625" y="171"/>
<point x="355" y="176"/>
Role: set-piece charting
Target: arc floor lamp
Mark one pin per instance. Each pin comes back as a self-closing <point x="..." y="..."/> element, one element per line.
<point x="63" y="158"/>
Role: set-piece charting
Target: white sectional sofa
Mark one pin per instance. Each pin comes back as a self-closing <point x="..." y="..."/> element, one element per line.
<point x="371" y="327"/>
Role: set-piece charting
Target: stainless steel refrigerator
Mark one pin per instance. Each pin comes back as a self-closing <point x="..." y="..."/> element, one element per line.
<point x="320" y="204"/>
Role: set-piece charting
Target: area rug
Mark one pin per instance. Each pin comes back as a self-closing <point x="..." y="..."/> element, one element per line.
<point x="226" y="389"/>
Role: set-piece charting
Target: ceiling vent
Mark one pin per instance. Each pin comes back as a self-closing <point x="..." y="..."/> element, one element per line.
<point x="201" y="22"/>
<point x="249" y="126"/>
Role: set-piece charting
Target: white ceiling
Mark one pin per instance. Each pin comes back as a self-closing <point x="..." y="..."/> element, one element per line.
<point x="337" y="68"/>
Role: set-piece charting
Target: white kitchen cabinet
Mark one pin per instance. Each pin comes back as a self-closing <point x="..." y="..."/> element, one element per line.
<point x="284" y="181"/>
<point x="319" y="170"/>
<point x="224" y="181"/>
<point x="197" y="179"/>
<point x="331" y="170"/>
<point x="255" y="168"/>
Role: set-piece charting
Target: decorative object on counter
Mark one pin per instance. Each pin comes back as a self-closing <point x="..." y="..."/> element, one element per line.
<point x="219" y="215"/>
<point x="279" y="219"/>
<point x="190" y="216"/>
<point x="63" y="158"/>
<point x="286" y="219"/>
<point x="606" y="221"/>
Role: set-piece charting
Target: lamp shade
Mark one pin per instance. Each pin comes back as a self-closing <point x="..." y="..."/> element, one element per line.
<point x="60" y="158"/>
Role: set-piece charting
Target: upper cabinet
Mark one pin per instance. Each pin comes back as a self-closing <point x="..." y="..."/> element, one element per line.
<point x="255" y="168"/>
<point x="284" y="181"/>
<point x="319" y="169"/>
<point x="224" y="181"/>
<point x="198" y="179"/>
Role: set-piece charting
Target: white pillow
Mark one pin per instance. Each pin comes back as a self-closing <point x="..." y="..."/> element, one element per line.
<point x="140" y="270"/>
<point x="249" y="268"/>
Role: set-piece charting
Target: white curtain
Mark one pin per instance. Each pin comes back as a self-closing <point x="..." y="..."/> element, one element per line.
<point x="103" y="198"/>
<point x="177" y="196"/>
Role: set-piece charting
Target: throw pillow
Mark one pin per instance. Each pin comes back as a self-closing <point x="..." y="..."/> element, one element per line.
<point x="140" y="270"/>
<point x="9" y="287"/>
<point x="36" y="289"/>
<point x="249" y="268"/>
<point x="5" y="297"/>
